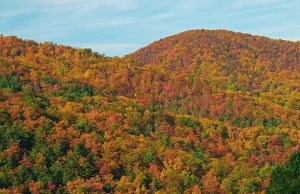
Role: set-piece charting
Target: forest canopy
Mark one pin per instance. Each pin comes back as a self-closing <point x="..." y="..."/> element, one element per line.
<point x="198" y="112"/>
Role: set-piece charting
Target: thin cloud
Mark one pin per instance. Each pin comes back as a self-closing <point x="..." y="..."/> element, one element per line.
<point x="105" y="23"/>
<point x="100" y="47"/>
<point x="118" y="4"/>
<point x="278" y="28"/>
<point x="246" y="3"/>
<point x="293" y="38"/>
<point x="13" y="13"/>
<point x="58" y="1"/>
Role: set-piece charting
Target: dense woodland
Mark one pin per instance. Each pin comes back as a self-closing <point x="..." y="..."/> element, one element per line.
<point x="199" y="112"/>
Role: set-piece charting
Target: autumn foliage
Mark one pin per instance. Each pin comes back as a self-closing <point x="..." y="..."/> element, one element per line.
<point x="199" y="112"/>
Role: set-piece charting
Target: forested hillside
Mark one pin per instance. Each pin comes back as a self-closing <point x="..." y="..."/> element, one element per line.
<point x="199" y="112"/>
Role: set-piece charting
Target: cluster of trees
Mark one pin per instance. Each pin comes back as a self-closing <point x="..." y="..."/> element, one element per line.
<point x="202" y="111"/>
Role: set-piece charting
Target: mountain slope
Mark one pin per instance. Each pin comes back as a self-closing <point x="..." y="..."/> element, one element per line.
<point x="209" y="111"/>
<point x="251" y="68"/>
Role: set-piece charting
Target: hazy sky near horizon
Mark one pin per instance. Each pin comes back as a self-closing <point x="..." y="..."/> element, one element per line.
<point x="118" y="27"/>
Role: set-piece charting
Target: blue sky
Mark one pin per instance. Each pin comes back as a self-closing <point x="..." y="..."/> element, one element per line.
<point x="118" y="27"/>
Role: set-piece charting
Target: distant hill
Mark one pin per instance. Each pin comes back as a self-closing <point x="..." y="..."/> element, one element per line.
<point x="203" y="111"/>
<point x="219" y="61"/>
<point x="186" y="48"/>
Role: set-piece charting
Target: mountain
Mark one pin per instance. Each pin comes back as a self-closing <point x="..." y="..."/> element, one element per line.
<point x="208" y="111"/>
<point x="220" y="46"/>
<point x="214" y="66"/>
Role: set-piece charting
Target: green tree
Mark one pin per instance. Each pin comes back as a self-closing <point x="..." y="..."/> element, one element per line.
<point x="286" y="179"/>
